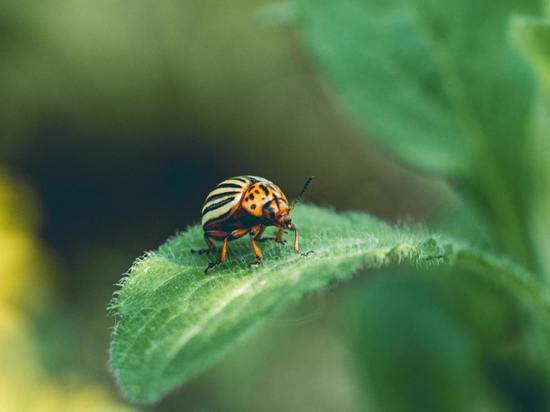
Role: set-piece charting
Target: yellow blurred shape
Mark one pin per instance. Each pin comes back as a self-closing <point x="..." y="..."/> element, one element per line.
<point x="24" y="386"/>
<point x="25" y="279"/>
<point x="53" y="398"/>
<point x="26" y="286"/>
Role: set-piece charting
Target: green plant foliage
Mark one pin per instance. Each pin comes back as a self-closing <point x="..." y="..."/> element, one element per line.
<point x="464" y="347"/>
<point x="441" y="112"/>
<point x="533" y="37"/>
<point x="419" y="360"/>
<point x="440" y="85"/>
<point x="173" y="321"/>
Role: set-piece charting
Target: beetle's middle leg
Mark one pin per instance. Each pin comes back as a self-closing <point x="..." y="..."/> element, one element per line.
<point x="256" y="232"/>
<point x="211" y="247"/>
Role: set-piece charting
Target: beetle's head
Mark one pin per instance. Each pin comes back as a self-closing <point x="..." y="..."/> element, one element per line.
<point x="278" y="213"/>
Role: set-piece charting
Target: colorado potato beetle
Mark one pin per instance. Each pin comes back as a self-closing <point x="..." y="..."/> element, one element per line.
<point x="246" y="204"/>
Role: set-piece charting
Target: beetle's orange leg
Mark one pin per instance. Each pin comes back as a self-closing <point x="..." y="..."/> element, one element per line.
<point x="222" y="258"/>
<point x="255" y="249"/>
<point x="233" y="235"/>
<point x="211" y="247"/>
<point x="237" y="233"/>
<point x="259" y="234"/>
<point x="279" y="236"/>
<point x="296" y="240"/>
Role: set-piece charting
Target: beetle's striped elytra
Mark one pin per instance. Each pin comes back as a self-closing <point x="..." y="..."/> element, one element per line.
<point x="246" y="204"/>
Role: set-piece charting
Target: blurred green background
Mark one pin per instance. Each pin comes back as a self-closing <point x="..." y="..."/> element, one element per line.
<point x="117" y="118"/>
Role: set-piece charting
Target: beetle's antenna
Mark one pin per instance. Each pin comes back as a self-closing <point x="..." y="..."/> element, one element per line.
<point x="304" y="189"/>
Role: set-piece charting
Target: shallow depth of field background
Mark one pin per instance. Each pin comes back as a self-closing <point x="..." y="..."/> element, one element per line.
<point x="116" y="119"/>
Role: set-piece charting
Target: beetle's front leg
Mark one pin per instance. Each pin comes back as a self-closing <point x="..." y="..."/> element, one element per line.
<point x="296" y="243"/>
<point x="279" y="237"/>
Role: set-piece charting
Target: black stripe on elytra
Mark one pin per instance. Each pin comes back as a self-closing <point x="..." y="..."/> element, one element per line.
<point x="233" y="185"/>
<point x="264" y="189"/>
<point x="217" y="205"/>
<point x="221" y="217"/>
<point x="240" y="179"/>
<point x="275" y="190"/>
<point x="256" y="179"/>
<point x="218" y="195"/>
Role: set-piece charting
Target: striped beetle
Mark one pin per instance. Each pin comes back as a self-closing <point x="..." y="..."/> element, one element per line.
<point x="246" y="204"/>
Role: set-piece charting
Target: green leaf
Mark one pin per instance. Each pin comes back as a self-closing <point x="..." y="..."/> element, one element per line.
<point x="437" y="82"/>
<point x="173" y="321"/>
<point x="464" y="347"/>
<point x="420" y="360"/>
<point x="533" y="37"/>
<point x="440" y="85"/>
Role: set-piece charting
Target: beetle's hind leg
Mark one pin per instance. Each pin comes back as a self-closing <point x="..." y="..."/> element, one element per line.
<point x="211" y="247"/>
<point x="237" y="233"/>
<point x="222" y="258"/>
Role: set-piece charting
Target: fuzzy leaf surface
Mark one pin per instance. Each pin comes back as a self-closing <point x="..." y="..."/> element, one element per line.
<point x="173" y="321"/>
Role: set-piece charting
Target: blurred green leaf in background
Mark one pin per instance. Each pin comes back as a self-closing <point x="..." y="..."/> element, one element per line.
<point x="440" y="85"/>
<point x="460" y="348"/>
<point x="533" y="37"/>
